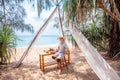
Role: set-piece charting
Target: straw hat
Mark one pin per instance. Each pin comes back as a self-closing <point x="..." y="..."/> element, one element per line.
<point x="61" y="37"/>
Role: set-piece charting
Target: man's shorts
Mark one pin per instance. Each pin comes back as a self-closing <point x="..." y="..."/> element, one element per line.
<point x="59" y="55"/>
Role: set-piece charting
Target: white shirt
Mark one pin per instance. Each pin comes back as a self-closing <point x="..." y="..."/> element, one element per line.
<point x="62" y="47"/>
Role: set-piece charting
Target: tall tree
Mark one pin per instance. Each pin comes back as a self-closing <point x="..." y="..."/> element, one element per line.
<point x="114" y="40"/>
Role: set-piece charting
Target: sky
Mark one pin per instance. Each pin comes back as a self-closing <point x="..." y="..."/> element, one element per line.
<point x="33" y="19"/>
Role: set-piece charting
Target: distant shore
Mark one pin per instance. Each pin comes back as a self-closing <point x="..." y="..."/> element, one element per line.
<point x="25" y="40"/>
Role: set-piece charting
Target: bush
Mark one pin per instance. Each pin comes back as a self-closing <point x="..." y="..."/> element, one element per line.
<point x="96" y="35"/>
<point x="7" y="44"/>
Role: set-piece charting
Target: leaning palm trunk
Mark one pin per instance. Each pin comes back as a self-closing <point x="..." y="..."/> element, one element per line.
<point x="102" y="69"/>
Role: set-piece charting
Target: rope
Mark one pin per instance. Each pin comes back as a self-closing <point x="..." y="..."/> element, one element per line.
<point x="34" y="39"/>
<point x="103" y="70"/>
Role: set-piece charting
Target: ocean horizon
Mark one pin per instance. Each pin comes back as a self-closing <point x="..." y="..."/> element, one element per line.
<point x="25" y="40"/>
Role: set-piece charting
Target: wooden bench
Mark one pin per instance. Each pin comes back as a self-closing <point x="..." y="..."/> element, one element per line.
<point x="44" y="64"/>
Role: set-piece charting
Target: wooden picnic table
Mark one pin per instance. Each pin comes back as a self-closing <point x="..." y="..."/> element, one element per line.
<point x="43" y="64"/>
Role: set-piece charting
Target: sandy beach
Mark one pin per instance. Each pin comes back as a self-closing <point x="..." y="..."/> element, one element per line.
<point x="78" y="69"/>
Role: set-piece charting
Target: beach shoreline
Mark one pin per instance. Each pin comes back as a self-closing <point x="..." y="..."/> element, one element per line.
<point x="50" y="45"/>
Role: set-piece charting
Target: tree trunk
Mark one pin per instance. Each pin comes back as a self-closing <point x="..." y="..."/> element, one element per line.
<point x="3" y="4"/>
<point x="114" y="40"/>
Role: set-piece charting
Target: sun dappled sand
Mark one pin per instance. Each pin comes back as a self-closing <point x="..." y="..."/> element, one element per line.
<point x="78" y="69"/>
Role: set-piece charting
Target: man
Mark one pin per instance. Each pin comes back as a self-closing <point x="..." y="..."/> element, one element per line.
<point x="62" y="48"/>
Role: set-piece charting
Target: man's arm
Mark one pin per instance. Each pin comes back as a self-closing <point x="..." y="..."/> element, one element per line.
<point x="67" y="49"/>
<point x="58" y="49"/>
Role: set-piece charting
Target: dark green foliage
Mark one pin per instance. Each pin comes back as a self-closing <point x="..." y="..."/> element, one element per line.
<point x="114" y="29"/>
<point x="7" y="44"/>
<point x="97" y="35"/>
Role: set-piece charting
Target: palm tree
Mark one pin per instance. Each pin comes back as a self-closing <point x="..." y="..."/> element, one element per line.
<point x="7" y="44"/>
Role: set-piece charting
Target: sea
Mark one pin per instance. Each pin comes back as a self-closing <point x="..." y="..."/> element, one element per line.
<point x="25" y="40"/>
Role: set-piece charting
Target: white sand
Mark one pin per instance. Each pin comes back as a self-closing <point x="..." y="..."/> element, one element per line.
<point x="78" y="69"/>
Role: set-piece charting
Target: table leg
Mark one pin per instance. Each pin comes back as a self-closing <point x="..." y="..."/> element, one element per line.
<point x="42" y="63"/>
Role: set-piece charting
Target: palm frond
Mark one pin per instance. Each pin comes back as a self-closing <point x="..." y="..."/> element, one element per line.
<point x="43" y="4"/>
<point x="8" y="44"/>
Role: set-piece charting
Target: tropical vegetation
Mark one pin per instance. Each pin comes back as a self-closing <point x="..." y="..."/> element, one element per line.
<point x="11" y="20"/>
<point x="7" y="44"/>
<point x="81" y="12"/>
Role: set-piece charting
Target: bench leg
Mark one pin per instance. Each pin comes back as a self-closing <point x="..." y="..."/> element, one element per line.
<point x="59" y="65"/>
<point x="65" y="62"/>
